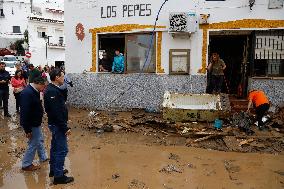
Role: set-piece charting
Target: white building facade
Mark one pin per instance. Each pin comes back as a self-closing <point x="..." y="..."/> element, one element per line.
<point x="247" y="36"/>
<point x="46" y="34"/>
<point x="13" y="20"/>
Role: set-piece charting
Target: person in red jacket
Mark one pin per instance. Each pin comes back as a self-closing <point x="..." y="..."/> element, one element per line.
<point x="18" y="83"/>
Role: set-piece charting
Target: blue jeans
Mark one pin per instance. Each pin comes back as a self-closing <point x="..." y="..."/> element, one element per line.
<point x="36" y="143"/>
<point x="58" y="150"/>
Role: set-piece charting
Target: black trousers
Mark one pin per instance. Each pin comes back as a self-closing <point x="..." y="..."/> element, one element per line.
<point x="4" y="97"/>
<point x="260" y="112"/>
<point x="17" y="97"/>
<point x="217" y="83"/>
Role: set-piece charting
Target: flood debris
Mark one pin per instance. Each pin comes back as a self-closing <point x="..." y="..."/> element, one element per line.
<point x="17" y="152"/>
<point x="136" y="184"/>
<point x="96" y="147"/>
<point x="281" y="173"/>
<point x="2" y="140"/>
<point x="93" y="114"/>
<point x="115" y="176"/>
<point x="232" y="143"/>
<point x="116" y="128"/>
<point x="194" y="107"/>
<point x="243" y="121"/>
<point x="170" y="169"/>
<point x="190" y="165"/>
<point x="230" y="167"/>
<point x="238" y="133"/>
<point x="244" y="142"/>
<point x="166" y="187"/>
<point x="174" y="157"/>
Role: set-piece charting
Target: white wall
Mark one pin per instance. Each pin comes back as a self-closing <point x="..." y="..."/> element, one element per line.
<point x="79" y="53"/>
<point x="230" y="10"/>
<point x="56" y="30"/>
<point x="38" y="45"/>
<point x="21" y="10"/>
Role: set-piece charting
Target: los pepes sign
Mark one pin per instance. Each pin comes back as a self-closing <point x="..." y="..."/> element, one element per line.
<point x="132" y="10"/>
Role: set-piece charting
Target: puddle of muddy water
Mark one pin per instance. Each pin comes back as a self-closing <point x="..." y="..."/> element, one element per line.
<point x="94" y="160"/>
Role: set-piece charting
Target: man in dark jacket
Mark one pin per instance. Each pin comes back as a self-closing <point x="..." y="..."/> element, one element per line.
<point x="55" y="107"/>
<point x="31" y="119"/>
<point x="4" y="88"/>
<point x="33" y="73"/>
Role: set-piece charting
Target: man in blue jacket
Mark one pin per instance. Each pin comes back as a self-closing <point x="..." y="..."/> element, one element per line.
<point x="30" y="119"/>
<point x="55" y="107"/>
<point x="118" y="63"/>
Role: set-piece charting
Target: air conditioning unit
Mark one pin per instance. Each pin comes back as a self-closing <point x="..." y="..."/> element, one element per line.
<point x="182" y="22"/>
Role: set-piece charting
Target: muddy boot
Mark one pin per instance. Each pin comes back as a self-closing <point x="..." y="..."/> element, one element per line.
<point x="63" y="180"/>
<point x="51" y="173"/>
<point x="31" y="168"/>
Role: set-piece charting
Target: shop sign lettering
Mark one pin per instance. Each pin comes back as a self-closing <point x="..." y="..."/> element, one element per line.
<point x="137" y="10"/>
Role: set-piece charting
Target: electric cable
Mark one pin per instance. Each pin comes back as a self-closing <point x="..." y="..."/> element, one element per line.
<point x="147" y="57"/>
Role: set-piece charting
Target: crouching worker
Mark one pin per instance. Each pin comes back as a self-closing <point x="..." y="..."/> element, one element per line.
<point x="57" y="113"/>
<point x="260" y="102"/>
<point x="31" y="119"/>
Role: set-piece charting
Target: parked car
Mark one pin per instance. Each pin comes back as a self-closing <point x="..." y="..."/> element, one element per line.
<point x="10" y="61"/>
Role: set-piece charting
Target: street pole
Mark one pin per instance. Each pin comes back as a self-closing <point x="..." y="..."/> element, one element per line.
<point x="46" y="53"/>
<point x="31" y="1"/>
<point x="46" y="44"/>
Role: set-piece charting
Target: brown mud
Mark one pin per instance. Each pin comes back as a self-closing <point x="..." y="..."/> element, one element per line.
<point x="136" y="150"/>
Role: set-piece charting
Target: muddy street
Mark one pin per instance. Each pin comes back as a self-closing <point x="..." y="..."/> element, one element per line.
<point x="139" y="156"/>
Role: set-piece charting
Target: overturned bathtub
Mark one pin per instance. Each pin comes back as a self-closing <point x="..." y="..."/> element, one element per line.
<point x="195" y="107"/>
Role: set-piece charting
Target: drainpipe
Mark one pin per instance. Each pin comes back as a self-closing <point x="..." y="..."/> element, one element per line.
<point x="31" y="6"/>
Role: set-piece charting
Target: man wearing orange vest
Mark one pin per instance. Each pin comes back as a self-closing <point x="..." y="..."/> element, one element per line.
<point x="260" y="103"/>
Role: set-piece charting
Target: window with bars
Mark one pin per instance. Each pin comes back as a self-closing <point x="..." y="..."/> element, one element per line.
<point x="269" y="53"/>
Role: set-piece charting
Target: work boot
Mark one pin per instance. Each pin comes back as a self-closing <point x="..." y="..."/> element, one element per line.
<point x="31" y="168"/>
<point x="51" y="173"/>
<point x="63" y="180"/>
<point x="7" y="115"/>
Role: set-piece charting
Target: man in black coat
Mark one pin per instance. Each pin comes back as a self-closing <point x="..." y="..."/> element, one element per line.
<point x="4" y="88"/>
<point x="55" y="107"/>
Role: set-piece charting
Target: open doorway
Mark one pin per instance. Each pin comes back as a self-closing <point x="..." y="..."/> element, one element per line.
<point x="234" y="49"/>
<point x="59" y="64"/>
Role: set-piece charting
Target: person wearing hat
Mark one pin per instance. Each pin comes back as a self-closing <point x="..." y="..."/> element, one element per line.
<point x="31" y="119"/>
<point x="104" y="64"/>
<point x="260" y="102"/>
